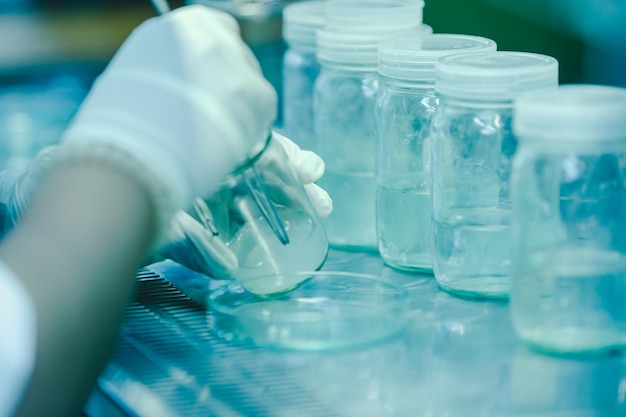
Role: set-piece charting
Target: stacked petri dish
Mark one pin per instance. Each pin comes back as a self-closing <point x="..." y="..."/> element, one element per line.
<point x="328" y="310"/>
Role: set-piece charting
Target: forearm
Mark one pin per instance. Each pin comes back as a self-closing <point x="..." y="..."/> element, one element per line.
<point x="77" y="251"/>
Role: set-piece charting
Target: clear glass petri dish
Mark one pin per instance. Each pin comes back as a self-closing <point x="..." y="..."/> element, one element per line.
<point x="328" y="310"/>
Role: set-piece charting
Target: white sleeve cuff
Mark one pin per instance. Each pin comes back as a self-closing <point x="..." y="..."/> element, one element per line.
<point x="18" y="333"/>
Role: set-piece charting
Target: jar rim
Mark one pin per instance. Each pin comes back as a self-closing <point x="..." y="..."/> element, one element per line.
<point x="415" y="57"/>
<point x="494" y="75"/>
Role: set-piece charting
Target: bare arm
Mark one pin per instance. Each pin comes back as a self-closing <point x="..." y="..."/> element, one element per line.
<point x="77" y="251"/>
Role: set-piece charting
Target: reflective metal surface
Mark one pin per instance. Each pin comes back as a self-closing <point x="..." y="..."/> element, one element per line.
<point x="457" y="358"/>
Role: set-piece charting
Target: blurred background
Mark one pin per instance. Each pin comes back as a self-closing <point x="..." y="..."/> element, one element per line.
<point x="51" y="50"/>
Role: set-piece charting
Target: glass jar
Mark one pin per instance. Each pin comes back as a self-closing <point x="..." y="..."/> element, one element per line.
<point x="260" y="223"/>
<point x="472" y="148"/>
<point x="300" y="68"/>
<point x="405" y="104"/>
<point x="569" y="219"/>
<point x="344" y="101"/>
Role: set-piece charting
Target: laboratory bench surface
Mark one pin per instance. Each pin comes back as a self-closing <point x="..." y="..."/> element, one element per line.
<point x="456" y="358"/>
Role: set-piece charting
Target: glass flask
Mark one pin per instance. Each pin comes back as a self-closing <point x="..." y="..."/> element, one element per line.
<point x="262" y="224"/>
<point x="472" y="148"/>
<point x="344" y="102"/>
<point x="569" y="219"/>
<point x="405" y="105"/>
<point x="300" y="68"/>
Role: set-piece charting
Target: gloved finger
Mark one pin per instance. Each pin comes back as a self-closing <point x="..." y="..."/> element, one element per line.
<point x="192" y="245"/>
<point x="221" y="17"/>
<point x="215" y="18"/>
<point x="308" y="165"/>
<point x="320" y="199"/>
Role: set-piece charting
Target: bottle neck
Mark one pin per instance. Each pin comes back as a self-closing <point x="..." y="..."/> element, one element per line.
<point x="301" y="47"/>
<point x="348" y="69"/>
<point x="348" y="66"/>
<point x="399" y="84"/>
<point x="477" y="102"/>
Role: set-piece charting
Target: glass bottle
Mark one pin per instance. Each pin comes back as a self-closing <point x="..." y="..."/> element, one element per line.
<point x="405" y="104"/>
<point x="569" y="219"/>
<point x="344" y="102"/>
<point x="300" y="68"/>
<point x="472" y="148"/>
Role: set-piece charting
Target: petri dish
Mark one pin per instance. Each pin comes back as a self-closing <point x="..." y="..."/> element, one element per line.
<point x="328" y="310"/>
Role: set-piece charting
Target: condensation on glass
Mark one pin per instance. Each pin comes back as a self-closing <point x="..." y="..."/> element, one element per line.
<point x="405" y="105"/>
<point x="472" y="148"/>
<point x="569" y="219"/>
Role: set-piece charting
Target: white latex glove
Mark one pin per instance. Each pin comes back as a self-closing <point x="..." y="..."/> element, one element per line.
<point x="309" y="167"/>
<point x="191" y="244"/>
<point x="181" y="103"/>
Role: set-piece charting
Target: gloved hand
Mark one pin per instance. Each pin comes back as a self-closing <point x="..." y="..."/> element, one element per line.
<point x="187" y="241"/>
<point x="182" y="102"/>
<point x="192" y="244"/>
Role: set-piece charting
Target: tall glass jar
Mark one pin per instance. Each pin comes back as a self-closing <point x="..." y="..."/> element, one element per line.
<point x="569" y="219"/>
<point x="405" y="104"/>
<point x="344" y="101"/>
<point x="301" y="20"/>
<point x="472" y="148"/>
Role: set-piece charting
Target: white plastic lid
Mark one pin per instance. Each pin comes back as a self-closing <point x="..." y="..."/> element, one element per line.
<point x="494" y="76"/>
<point x="301" y="20"/>
<point x="350" y="50"/>
<point x="367" y="16"/>
<point x="425" y="29"/>
<point x="572" y="113"/>
<point x="413" y="58"/>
